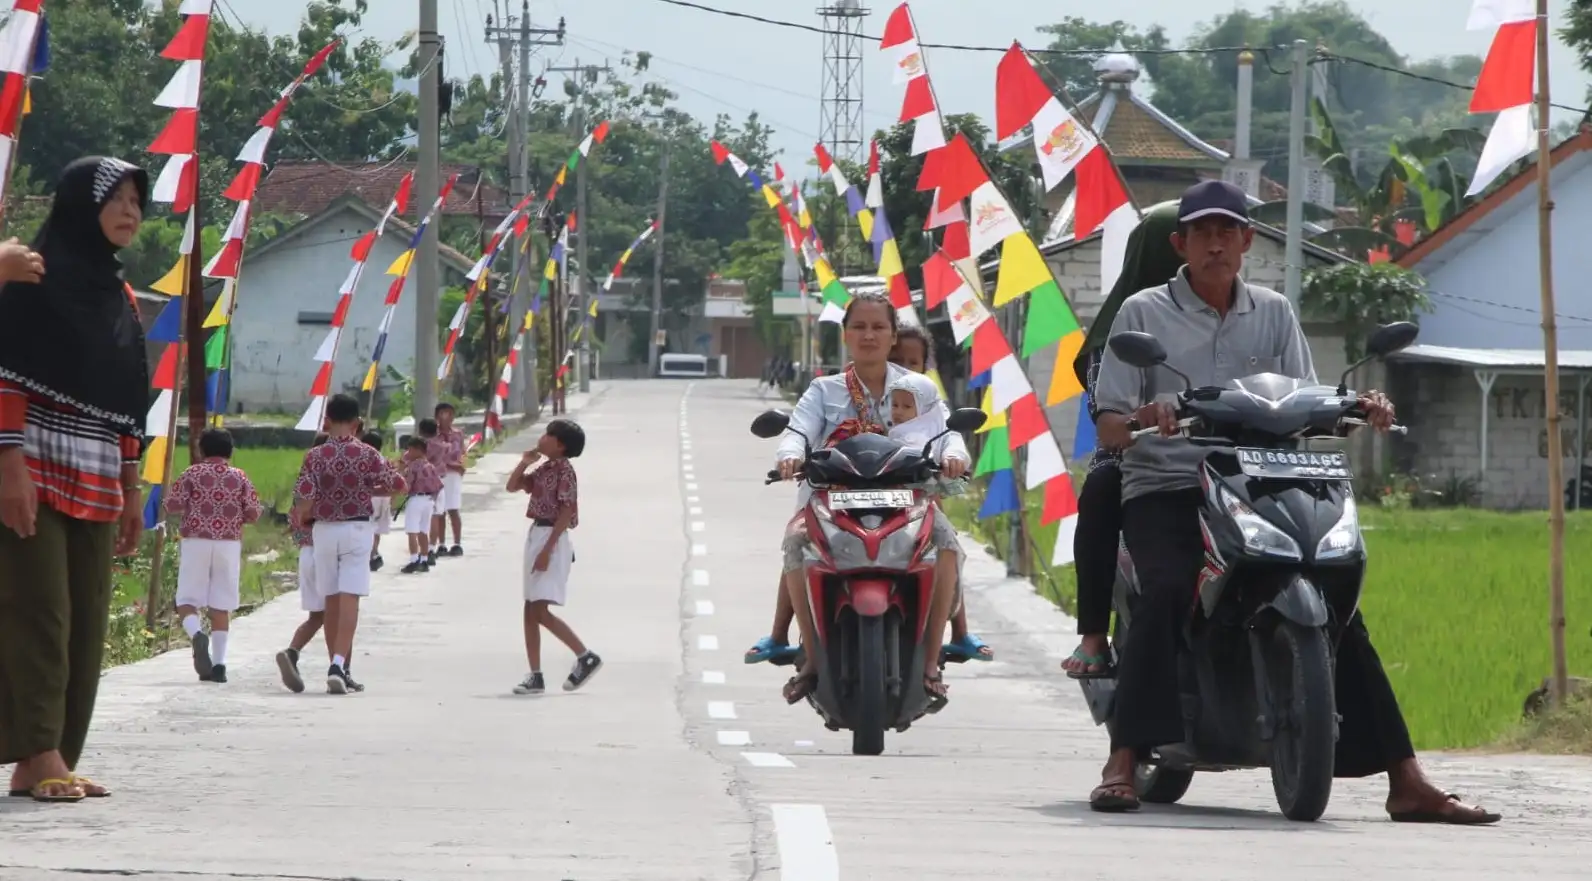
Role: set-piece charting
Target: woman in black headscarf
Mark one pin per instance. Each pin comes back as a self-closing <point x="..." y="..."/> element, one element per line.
<point x="1149" y="261"/>
<point x="74" y="387"/>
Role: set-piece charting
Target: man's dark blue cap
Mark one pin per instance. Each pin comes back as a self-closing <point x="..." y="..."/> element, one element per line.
<point x="1213" y="198"/>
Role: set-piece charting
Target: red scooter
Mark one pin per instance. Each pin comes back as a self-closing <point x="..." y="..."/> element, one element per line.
<point x="870" y="577"/>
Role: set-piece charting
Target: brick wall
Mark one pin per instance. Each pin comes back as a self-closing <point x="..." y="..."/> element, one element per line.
<point x="1442" y="405"/>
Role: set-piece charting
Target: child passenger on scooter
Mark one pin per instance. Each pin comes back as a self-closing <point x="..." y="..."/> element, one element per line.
<point x="916" y="418"/>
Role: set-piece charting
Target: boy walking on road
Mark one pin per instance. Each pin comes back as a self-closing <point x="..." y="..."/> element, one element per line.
<point x="214" y="500"/>
<point x="424" y="485"/>
<point x="336" y="488"/>
<point x="554" y="510"/>
<point x="382" y="519"/>
<point x="447" y="454"/>
<point x="311" y="600"/>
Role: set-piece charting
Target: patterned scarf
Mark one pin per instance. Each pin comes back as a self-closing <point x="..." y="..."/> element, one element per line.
<point x="864" y="422"/>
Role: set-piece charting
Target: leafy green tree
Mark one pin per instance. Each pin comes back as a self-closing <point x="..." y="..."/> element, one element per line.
<point x="1200" y="90"/>
<point x="1577" y="33"/>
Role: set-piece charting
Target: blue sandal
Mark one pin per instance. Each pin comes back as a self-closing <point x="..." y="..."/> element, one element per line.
<point x="766" y="649"/>
<point x="1103" y="662"/>
<point x="968" y="648"/>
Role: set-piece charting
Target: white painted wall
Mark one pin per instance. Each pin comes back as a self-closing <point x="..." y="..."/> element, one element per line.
<point x="1500" y="267"/>
<point x="273" y="354"/>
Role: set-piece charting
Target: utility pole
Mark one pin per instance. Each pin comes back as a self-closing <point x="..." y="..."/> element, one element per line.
<point x="512" y="33"/>
<point x="426" y="270"/>
<point x="583" y="73"/>
<point x="1294" y="251"/>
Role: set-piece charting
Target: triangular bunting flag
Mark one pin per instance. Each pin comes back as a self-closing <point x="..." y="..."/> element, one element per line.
<point x="1049" y="318"/>
<point x="1022" y="269"/>
<point x="1000" y="496"/>
<point x="996" y="455"/>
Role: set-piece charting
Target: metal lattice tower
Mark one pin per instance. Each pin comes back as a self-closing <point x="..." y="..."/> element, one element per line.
<point x="840" y="111"/>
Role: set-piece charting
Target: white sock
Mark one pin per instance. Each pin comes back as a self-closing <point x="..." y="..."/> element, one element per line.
<point x="218" y="646"/>
<point x="339" y="661"/>
<point x="190" y="625"/>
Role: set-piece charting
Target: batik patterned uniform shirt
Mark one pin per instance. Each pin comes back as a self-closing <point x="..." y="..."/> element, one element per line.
<point x="422" y="477"/>
<point x="340" y="477"/>
<point x="215" y="500"/>
<point x="553" y="490"/>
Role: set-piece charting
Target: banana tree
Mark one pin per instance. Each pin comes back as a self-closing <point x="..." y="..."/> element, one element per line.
<point x="1418" y="183"/>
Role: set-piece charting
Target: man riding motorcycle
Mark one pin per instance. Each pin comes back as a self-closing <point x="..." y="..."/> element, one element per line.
<point x="1218" y="328"/>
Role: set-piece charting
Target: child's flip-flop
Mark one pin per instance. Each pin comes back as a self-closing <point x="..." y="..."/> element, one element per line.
<point x="766" y="649"/>
<point x="968" y="648"/>
<point x="1101" y="661"/>
<point x="90" y="788"/>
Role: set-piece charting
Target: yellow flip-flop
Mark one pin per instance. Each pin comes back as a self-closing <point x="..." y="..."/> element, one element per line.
<point x="88" y="786"/>
<point x="37" y="792"/>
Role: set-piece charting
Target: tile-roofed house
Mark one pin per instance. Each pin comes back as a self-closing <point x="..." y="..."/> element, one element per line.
<point x="305" y="189"/>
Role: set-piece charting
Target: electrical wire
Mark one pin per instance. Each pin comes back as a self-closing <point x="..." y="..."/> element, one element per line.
<point x="1333" y="56"/>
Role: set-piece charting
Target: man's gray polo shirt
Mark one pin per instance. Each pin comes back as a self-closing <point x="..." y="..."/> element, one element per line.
<point x="1260" y="334"/>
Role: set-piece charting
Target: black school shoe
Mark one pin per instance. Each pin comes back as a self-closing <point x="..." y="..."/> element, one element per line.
<point x="431" y="558"/>
<point x="586" y="666"/>
<point x="456" y="551"/>
<point x="338" y="681"/>
<point x="413" y="567"/>
<point x="376" y="562"/>
<point x="201" y="656"/>
<point x="218" y="673"/>
<point x="287" y="664"/>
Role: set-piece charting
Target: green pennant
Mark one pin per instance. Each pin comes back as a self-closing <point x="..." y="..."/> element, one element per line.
<point x="574" y="160"/>
<point x="1049" y="318"/>
<point x="216" y="349"/>
<point x="995" y="456"/>
<point x="836" y="293"/>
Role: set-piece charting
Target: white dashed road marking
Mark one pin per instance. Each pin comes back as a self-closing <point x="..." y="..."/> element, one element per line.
<point x="806" y="846"/>
<point x="734" y="738"/>
<point x="708" y="643"/>
<point x="704" y="607"/>
<point x="721" y="709"/>
<point x="712" y="677"/>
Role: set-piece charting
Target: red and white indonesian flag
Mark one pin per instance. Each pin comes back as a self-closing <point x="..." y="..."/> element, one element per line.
<point x="1023" y="99"/>
<point x="1505" y="86"/>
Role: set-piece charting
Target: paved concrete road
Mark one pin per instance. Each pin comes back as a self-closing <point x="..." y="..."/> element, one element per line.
<point x="678" y="761"/>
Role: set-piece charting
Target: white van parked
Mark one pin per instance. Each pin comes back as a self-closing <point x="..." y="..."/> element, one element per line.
<point x="688" y="366"/>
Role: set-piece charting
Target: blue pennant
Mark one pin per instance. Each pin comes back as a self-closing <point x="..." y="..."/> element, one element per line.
<point x="216" y="391"/>
<point x="41" y="46"/>
<point x="1084" y="440"/>
<point x="167" y="327"/>
<point x="152" y="508"/>
<point x="979" y="381"/>
<point x="1000" y="497"/>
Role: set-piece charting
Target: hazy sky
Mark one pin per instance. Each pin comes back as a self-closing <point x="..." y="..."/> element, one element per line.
<point x="723" y="64"/>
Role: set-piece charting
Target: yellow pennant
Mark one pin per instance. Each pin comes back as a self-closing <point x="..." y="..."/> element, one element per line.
<point x="1022" y="269"/>
<point x="401" y="265"/>
<point x="370" y="379"/>
<point x="994" y="418"/>
<point x="593" y="310"/>
<point x="155" y="462"/>
<point x="27" y="102"/>
<point x="865" y="224"/>
<point x="551" y="272"/>
<point x="934" y="377"/>
<point x="1064" y="382"/>
<point x="890" y="259"/>
<point x="170" y="284"/>
<point x="559" y="180"/>
<point x="221" y="313"/>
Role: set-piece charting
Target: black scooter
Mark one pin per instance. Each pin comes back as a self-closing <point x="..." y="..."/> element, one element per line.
<point x="1284" y="563"/>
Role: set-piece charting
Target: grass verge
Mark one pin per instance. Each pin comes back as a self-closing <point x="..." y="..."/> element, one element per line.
<point x="1565" y="731"/>
<point x="1456" y="600"/>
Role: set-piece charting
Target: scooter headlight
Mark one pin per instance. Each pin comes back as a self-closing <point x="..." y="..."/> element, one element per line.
<point x="1343" y="538"/>
<point x="1260" y="536"/>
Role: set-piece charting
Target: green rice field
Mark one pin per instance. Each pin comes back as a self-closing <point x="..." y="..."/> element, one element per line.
<point x="1456" y="601"/>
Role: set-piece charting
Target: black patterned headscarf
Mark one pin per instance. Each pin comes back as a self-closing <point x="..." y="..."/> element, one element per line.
<point x="74" y="336"/>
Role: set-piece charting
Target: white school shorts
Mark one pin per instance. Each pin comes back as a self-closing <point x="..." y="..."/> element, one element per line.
<point x="208" y="573"/>
<point x="382" y="519"/>
<point x="417" y="514"/>
<point x="452" y="492"/>
<point x="342" y="557"/>
<point x="310" y="598"/>
<point x="551" y="584"/>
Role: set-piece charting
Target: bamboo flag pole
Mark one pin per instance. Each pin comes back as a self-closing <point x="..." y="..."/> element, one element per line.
<point x="1550" y="369"/>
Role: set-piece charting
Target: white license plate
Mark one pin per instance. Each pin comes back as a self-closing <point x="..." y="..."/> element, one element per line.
<point x="870" y="498"/>
<point x="1294" y="465"/>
